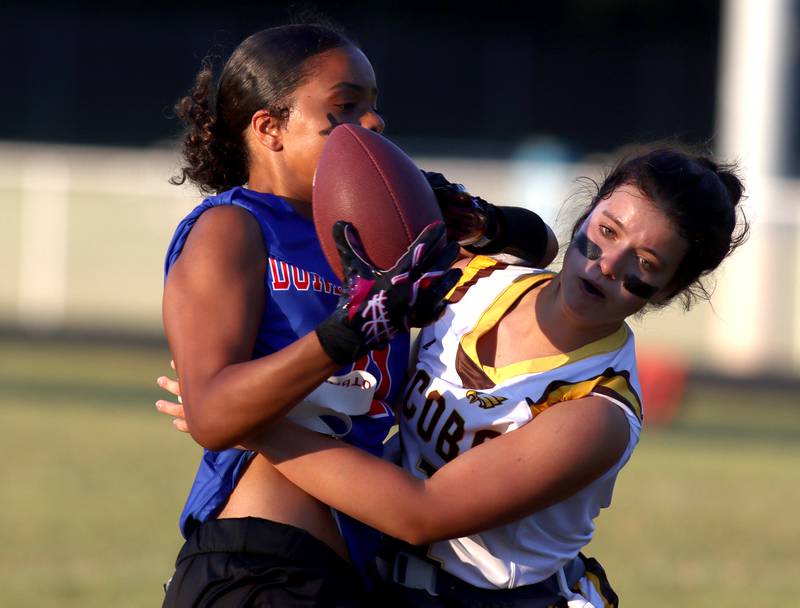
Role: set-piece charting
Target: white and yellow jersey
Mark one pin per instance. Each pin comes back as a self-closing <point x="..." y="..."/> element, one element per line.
<point x="453" y="403"/>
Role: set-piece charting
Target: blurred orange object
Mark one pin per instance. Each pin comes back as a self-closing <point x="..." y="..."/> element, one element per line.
<point x="662" y="376"/>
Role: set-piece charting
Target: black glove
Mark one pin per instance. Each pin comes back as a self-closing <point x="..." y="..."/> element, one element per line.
<point x="470" y="220"/>
<point x="376" y="305"/>
<point x="483" y="228"/>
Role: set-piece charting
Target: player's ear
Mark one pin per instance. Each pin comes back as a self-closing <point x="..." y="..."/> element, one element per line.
<point x="266" y="129"/>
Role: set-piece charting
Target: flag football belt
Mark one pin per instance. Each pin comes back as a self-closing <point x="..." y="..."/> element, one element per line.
<point x="415" y="572"/>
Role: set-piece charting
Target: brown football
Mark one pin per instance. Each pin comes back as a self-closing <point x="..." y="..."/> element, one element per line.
<point x="366" y="180"/>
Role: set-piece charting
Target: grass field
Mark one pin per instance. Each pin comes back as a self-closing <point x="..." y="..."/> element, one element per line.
<point x="92" y="481"/>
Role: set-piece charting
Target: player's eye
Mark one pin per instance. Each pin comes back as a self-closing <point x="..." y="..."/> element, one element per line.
<point x="606" y="231"/>
<point x="646" y="264"/>
<point x="346" y="107"/>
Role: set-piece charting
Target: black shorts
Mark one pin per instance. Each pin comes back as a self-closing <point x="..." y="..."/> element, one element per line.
<point x="258" y="563"/>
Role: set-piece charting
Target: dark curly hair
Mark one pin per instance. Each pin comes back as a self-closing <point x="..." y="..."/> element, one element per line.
<point x="699" y="196"/>
<point x="261" y="73"/>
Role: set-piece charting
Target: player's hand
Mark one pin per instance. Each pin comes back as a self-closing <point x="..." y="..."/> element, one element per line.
<point x="483" y="228"/>
<point x="469" y="219"/>
<point x="172" y="408"/>
<point x="376" y="305"/>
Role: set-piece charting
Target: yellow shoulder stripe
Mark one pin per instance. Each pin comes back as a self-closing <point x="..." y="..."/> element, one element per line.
<point x="610" y="383"/>
<point x="477" y="264"/>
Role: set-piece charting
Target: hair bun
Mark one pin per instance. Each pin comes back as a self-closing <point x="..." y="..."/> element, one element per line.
<point x="732" y="184"/>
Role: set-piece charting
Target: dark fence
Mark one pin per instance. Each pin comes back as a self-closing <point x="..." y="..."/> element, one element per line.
<point x="593" y="74"/>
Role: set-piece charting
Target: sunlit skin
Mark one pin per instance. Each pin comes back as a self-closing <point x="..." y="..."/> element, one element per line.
<point x="284" y="154"/>
<point x="585" y="302"/>
<point x="228" y="396"/>
<point x="589" y="300"/>
<point x="220" y="275"/>
<point x="637" y="241"/>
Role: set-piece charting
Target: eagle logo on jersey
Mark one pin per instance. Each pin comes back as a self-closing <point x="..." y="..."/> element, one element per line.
<point x="483" y="400"/>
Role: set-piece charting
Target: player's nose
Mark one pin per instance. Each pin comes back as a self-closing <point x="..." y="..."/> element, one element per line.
<point x="373" y="121"/>
<point x="610" y="263"/>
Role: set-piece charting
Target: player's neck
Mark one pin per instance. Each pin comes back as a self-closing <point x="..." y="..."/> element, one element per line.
<point x="264" y="181"/>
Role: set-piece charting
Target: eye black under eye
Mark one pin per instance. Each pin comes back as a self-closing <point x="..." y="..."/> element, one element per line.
<point x="638" y="287"/>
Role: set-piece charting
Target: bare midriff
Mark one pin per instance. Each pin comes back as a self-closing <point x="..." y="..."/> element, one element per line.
<point x="263" y="492"/>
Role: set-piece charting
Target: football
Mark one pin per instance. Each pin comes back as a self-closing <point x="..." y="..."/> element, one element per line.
<point x="365" y="179"/>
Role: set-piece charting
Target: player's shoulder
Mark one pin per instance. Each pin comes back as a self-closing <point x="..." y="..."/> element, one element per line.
<point x="484" y="270"/>
<point x="217" y="230"/>
<point x="502" y="266"/>
<point x="229" y="223"/>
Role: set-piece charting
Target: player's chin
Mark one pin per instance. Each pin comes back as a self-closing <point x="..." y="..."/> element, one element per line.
<point x="592" y="310"/>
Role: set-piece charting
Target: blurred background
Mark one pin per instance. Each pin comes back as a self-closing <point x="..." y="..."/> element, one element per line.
<point x="516" y="102"/>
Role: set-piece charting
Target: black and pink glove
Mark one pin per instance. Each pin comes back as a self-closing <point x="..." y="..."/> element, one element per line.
<point x="377" y="305"/>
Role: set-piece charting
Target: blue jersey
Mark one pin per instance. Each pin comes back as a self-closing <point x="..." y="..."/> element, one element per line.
<point x="300" y="290"/>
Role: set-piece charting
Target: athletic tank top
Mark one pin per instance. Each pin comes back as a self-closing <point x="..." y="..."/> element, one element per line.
<point x="454" y="402"/>
<point x="300" y="290"/>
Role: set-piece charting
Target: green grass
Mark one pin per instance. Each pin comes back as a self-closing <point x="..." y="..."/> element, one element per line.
<point x="93" y="479"/>
<point x="705" y="512"/>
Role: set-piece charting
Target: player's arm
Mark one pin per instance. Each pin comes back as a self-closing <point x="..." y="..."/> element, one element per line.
<point x="213" y="303"/>
<point x="521" y="233"/>
<point x="549" y="459"/>
<point x="483" y="228"/>
<point x="214" y="300"/>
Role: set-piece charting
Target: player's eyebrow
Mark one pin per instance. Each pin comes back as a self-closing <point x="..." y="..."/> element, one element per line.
<point x="614" y="219"/>
<point x="352" y="86"/>
<point x="621" y="226"/>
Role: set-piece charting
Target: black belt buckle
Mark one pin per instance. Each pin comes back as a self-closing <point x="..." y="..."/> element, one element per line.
<point x="414" y="572"/>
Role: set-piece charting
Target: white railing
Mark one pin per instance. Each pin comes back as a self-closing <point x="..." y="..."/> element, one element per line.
<point x="83" y="233"/>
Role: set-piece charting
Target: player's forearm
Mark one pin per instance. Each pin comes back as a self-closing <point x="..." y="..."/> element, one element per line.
<point x="224" y="408"/>
<point x="454" y="502"/>
<point x="499" y="481"/>
<point x="521" y="233"/>
<point x="367" y="488"/>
